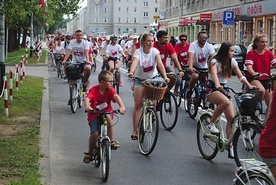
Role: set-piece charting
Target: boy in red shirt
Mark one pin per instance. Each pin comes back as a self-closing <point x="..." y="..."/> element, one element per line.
<point x="101" y="95"/>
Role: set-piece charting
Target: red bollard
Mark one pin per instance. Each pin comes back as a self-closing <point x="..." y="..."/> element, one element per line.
<point x="16" y="77"/>
<point x="21" y="71"/>
<point x="6" y="103"/>
<point x="11" y="86"/>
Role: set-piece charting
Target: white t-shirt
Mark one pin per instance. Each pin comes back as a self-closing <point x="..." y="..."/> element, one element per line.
<point x="201" y="55"/>
<point x="221" y="79"/>
<point x="129" y="45"/>
<point x="78" y="50"/>
<point x="113" y="50"/>
<point x="64" y="47"/>
<point x="147" y="66"/>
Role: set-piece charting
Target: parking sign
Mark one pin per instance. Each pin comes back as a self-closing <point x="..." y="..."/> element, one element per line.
<point x="228" y="19"/>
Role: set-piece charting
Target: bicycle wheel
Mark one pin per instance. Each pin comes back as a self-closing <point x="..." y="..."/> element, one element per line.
<point x="105" y="160"/>
<point x="117" y="81"/>
<point x="59" y="67"/>
<point x="73" y="97"/>
<point x="81" y="97"/>
<point x="168" y="111"/>
<point x="179" y="97"/>
<point x="254" y="179"/>
<point x="207" y="147"/>
<point x="246" y="142"/>
<point x="148" y="130"/>
<point x="192" y="105"/>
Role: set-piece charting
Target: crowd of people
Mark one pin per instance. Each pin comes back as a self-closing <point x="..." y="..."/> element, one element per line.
<point x="147" y="55"/>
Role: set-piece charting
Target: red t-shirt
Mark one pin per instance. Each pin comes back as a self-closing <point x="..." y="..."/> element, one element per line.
<point x="137" y="45"/>
<point x="166" y="50"/>
<point x="260" y="63"/>
<point x="267" y="143"/>
<point x="182" y="53"/>
<point x="96" y="98"/>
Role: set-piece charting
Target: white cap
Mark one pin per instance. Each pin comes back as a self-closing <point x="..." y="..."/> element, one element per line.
<point x="107" y="38"/>
<point x="84" y="37"/>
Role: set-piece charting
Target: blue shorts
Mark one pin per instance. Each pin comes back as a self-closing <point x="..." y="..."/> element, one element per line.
<point x="95" y="125"/>
<point x="139" y="83"/>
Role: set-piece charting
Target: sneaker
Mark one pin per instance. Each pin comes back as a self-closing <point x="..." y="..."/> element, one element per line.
<point x="189" y="94"/>
<point x="231" y="152"/>
<point x="121" y="84"/>
<point x="115" y="145"/>
<point x="213" y="129"/>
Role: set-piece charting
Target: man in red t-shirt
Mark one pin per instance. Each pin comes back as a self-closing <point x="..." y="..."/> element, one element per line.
<point x="166" y="49"/>
<point x="267" y="144"/>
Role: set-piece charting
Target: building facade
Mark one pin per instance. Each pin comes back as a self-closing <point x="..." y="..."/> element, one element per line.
<point x="192" y="16"/>
<point x="120" y="17"/>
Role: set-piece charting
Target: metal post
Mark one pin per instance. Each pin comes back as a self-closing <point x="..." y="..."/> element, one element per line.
<point x="2" y="47"/>
<point x="182" y="5"/>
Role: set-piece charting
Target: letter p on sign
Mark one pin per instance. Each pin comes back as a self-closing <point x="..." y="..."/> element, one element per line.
<point x="228" y="19"/>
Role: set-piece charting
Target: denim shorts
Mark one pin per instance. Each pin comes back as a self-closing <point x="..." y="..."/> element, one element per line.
<point x="95" y="125"/>
<point x="269" y="161"/>
<point x="139" y="83"/>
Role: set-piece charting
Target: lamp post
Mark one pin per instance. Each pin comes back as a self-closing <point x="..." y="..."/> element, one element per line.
<point x="2" y="46"/>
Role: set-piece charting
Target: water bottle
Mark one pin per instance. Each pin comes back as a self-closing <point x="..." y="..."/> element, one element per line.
<point x="239" y="101"/>
<point x="199" y="90"/>
<point x="258" y="106"/>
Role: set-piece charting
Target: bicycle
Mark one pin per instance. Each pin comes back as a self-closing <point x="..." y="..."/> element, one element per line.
<point x="148" y="126"/>
<point x="116" y="74"/>
<point x="244" y="136"/>
<point x="199" y="94"/>
<point x="58" y="58"/>
<point x="253" y="172"/>
<point x="182" y="91"/>
<point x="167" y="106"/>
<point x="74" y="75"/>
<point x="102" y="151"/>
<point x="94" y="65"/>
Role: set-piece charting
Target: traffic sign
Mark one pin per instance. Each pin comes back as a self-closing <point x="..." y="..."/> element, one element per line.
<point x="228" y="19"/>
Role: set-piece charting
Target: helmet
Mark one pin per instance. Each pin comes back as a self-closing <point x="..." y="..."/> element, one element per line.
<point x="68" y="36"/>
<point x="113" y="37"/>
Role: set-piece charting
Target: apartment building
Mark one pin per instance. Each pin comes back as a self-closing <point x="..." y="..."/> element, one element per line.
<point x="192" y="16"/>
<point x="120" y="17"/>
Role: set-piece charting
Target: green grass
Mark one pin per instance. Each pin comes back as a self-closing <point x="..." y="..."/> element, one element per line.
<point x="19" y="135"/>
<point x="15" y="57"/>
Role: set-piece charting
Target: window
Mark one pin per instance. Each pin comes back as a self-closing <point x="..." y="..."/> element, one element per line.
<point x="105" y="30"/>
<point x="270" y="32"/>
<point x="127" y="10"/>
<point x="96" y="20"/>
<point x="135" y="9"/>
<point x="105" y="1"/>
<point x="105" y="20"/>
<point x="146" y="4"/>
<point x="146" y="14"/>
<point x="119" y="30"/>
<point x="135" y="20"/>
<point x="127" y="20"/>
<point x="134" y="30"/>
<point x="156" y="10"/>
<point x="155" y="1"/>
<point x="97" y="10"/>
<point x="119" y="9"/>
<point x="105" y="10"/>
<point x="119" y="19"/>
<point x="135" y="1"/>
<point x="97" y="30"/>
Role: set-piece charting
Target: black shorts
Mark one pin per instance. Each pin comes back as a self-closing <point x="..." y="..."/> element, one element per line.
<point x="265" y="83"/>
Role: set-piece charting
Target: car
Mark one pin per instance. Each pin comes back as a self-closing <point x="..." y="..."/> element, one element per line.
<point x="239" y="55"/>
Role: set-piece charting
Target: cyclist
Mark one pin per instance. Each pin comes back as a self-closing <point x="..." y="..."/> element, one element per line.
<point x="267" y="144"/>
<point x="199" y="53"/>
<point x="181" y="50"/>
<point x="100" y="96"/>
<point x="219" y="70"/>
<point x="57" y="49"/>
<point x="148" y="61"/>
<point x="79" y="50"/>
<point x="112" y="53"/>
<point x="260" y="60"/>
<point x="165" y="48"/>
<point x="103" y="50"/>
<point x="129" y="47"/>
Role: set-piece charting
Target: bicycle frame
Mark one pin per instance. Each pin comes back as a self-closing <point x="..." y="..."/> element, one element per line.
<point x="147" y="104"/>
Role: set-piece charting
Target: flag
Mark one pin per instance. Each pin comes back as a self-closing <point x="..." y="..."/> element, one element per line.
<point x="41" y="3"/>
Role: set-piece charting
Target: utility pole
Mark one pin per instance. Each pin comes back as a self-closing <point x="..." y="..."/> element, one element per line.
<point x="2" y="46"/>
<point x="31" y="35"/>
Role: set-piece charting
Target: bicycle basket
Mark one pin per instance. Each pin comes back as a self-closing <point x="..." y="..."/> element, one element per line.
<point x="154" y="89"/>
<point x="248" y="102"/>
<point x="73" y="71"/>
<point x="172" y="82"/>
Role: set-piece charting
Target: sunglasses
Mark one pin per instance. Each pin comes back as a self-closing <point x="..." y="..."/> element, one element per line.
<point x="183" y="39"/>
<point x="203" y="38"/>
<point x="111" y="81"/>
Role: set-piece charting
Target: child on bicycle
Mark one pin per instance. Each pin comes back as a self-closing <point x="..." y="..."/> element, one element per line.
<point x="100" y="97"/>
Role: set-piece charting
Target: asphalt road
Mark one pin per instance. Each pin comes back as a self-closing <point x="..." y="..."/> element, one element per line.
<point x="175" y="160"/>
